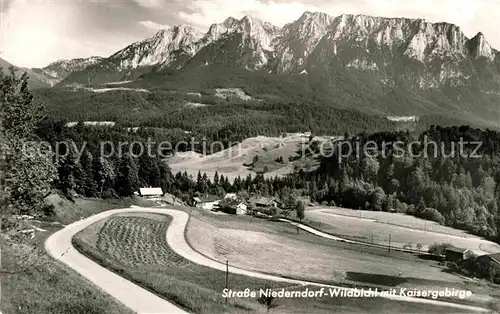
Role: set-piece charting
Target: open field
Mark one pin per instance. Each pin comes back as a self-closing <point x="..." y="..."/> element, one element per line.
<point x="198" y="288"/>
<point x="231" y="162"/>
<point x="135" y="247"/>
<point x="33" y="282"/>
<point x="403" y="229"/>
<point x="293" y="257"/>
<point x="364" y="265"/>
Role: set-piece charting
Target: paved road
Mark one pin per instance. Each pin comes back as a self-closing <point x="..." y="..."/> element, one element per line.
<point x="131" y="295"/>
<point x="144" y="301"/>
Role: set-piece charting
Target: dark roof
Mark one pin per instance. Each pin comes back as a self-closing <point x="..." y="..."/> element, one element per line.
<point x="456" y="249"/>
<point x="264" y="200"/>
<point x="207" y="198"/>
<point x="495" y="256"/>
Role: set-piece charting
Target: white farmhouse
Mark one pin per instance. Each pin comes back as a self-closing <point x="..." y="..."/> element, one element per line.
<point x="231" y="196"/>
<point x="151" y="193"/>
<point x="241" y="209"/>
<point x="208" y="202"/>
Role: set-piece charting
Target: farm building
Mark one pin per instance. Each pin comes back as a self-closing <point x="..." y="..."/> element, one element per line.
<point x="230" y="196"/>
<point x="208" y="202"/>
<point x="485" y="266"/>
<point x="235" y="208"/>
<point x="455" y="254"/>
<point x="151" y="193"/>
<point x="490" y="259"/>
<point x="241" y="209"/>
<point x="264" y="202"/>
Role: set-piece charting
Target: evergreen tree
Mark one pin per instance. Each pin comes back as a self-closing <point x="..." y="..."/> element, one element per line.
<point x="27" y="166"/>
<point x="127" y="178"/>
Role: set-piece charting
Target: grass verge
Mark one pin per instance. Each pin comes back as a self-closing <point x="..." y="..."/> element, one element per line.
<point x="33" y="282"/>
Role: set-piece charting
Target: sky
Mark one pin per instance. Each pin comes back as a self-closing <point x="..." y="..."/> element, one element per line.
<point x="34" y="33"/>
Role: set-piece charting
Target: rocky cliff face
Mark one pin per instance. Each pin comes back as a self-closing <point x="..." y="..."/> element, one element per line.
<point x="164" y="47"/>
<point x="299" y="39"/>
<point x="436" y="53"/>
<point x="60" y="69"/>
<point x="394" y="66"/>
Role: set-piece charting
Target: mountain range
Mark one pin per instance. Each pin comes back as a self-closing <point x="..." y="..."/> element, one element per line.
<point x="375" y="64"/>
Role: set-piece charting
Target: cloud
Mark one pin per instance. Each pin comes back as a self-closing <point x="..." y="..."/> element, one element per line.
<point x="37" y="32"/>
<point x="153" y="25"/>
<point x="150" y="4"/>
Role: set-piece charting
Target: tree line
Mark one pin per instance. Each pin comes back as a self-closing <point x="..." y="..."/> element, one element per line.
<point x="451" y="190"/>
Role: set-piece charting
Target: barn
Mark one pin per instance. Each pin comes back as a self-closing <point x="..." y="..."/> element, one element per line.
<point x="455" y="254"/>
<point x="153" y="194"/>
<point x="208" y="202"/>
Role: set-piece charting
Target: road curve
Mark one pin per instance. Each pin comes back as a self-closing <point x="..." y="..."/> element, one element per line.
<point x="131" y="295"/>
<point x="61" y="240"/>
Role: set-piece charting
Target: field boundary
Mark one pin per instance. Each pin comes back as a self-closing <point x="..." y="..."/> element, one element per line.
<point x="318" y="232"/>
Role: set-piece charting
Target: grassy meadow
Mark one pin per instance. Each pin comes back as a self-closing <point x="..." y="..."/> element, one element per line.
<point x="134" y="245"/>
<point x="33" y="282"/>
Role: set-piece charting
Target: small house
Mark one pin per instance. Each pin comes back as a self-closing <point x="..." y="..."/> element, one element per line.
<point x="241" y="209"/>
<point x="209" y="202"/>
<point x="265" y="202"/>
<point x="154" y="194"/>
<point x="231" y="196"/>
<point x="455" y="254"/>
<point x="495" y="258"/>
<point x="490" y="259"/>
<point x="484" y="266"/>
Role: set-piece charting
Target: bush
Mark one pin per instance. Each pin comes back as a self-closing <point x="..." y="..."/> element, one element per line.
<point x="438" y="249"/>
<point x="432" y="214"/>
<point x="270" y="211"/>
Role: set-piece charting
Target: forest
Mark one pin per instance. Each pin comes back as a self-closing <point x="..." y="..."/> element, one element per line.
<point x="451" y="190"/>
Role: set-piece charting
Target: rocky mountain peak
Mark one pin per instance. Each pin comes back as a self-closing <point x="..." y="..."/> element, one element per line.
<point x="299" y="38"/>
<point x="479" y="47"/>
<point x="260" y="32"/>
<point x="59" y="69"/>
<point x="315" y="40"/>
<point x="229" y="22"/>
<point x="159" y="48"/>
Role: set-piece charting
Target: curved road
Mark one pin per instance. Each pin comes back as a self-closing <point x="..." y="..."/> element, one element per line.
<point x="143" y="301"/>
<point x="138" y="299"/>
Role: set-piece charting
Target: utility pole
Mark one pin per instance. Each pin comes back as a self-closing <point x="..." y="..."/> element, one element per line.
<point x="227" y="273"/>
<point x="389" y="242"/>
